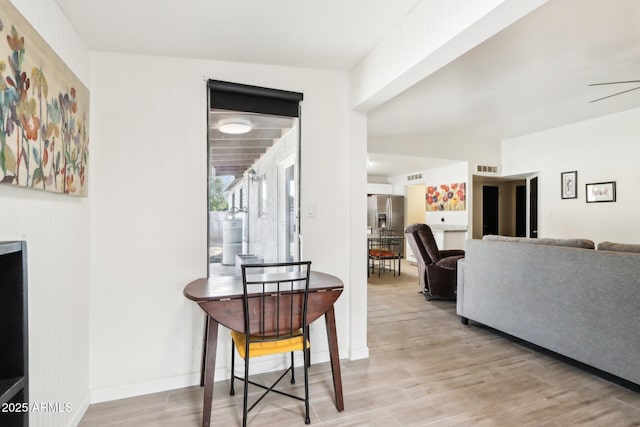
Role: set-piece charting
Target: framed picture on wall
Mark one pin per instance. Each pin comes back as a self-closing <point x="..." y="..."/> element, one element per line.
<point x="569" y="185"/>
<point x="601" y="192"/>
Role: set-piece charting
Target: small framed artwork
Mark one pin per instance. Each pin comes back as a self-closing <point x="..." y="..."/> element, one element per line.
<point x="601" y="192"/>
<point x="569" y="185"/>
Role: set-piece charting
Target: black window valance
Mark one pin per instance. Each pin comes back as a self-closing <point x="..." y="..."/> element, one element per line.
<point x="253" y="99"/>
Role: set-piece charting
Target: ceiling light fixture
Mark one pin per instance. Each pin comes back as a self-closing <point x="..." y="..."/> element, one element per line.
<point x="234" y="126"/>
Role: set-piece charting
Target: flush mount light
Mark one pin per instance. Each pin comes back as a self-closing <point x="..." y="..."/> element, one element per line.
<point x="234" y="126"/>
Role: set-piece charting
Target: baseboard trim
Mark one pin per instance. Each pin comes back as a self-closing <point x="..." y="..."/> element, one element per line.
<point x="130" y="390"/>
<point x="222" y="373"/>
<point x="359" y="353"/>
<point x="79" y="412"/>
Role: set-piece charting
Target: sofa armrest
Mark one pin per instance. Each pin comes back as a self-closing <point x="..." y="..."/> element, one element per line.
<point x="460" y="289"/>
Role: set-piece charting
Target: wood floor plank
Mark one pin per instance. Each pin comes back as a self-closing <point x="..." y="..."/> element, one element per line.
<point x="425" y="369"/>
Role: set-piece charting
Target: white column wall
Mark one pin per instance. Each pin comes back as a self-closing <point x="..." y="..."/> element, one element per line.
<point x="56" y="228"/>
<point x="357" y="208"/>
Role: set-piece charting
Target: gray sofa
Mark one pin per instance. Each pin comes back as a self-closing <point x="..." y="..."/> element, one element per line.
<point x="576" y="301"/>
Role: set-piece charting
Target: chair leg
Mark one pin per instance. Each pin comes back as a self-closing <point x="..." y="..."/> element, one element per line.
<point x="245" y="400"/>
<point x="246" y="381"/>
<point x="232" y="391"/>
<point x="307" y="420"/>
<point x="307" y="351"/>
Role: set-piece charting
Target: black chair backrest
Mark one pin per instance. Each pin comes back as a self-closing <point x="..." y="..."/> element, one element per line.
<point x="382" y="244"/>
<point x="275" y="300"/>
<point x="387" y="232"/>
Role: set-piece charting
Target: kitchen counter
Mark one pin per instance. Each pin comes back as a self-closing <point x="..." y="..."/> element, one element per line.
<point x="448" y="227"/>
<point x="448" y="236"/>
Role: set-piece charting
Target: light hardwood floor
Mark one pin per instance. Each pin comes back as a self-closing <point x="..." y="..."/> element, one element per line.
<point x="425" y="369"/>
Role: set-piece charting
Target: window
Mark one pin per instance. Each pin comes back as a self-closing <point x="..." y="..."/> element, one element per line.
<point x="269" y="126"/>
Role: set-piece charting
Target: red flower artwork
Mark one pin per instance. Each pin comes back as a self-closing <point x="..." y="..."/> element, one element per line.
<point x="446" y="197"/>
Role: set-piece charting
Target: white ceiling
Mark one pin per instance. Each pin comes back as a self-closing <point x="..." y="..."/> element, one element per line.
<point x="333" y="34"/>
<point x="532" y="76"/>
<point x="385" y="165"/>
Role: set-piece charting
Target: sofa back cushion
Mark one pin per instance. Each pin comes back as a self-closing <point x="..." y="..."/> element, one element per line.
<point x="573" y="243"/>
<point x="618" y="247"/>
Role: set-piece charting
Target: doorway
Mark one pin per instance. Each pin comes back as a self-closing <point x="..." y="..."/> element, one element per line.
<point x="521" y="211"/>
<point x="490" y="209"/>
<point x="414" y="212"/>
<point x="287" y="212"/>
<point x="497" y="206"/>
<point x="533" y="207"/>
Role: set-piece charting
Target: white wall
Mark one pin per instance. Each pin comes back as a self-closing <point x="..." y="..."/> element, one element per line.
<point x="56" y="228"/>
<point x="468" y="152"/>
<point x="262" y="229"/>
<point x="457" y="172"/>
<point x="603" y="149"/>
<point x="148" y="219"/>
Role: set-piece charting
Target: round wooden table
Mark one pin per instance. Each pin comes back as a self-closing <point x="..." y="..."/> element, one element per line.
<point x="221" y="299"/>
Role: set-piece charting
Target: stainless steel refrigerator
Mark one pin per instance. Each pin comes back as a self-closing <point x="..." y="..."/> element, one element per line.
<point x="385" y="211"/>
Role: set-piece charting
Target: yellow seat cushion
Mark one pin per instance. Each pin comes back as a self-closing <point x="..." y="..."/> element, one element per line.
<point x="269" y="347"/>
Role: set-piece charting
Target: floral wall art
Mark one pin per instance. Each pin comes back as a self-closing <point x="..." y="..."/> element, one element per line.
<point x="446" y="197"/>
<point x="44" y="112"/>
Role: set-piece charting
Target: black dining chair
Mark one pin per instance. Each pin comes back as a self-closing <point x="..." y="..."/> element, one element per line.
<point x="275" y="322"/>
<point x="385" y="251"/>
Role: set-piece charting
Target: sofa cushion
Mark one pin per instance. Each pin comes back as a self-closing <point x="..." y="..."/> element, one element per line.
<point x="618" y="247"/>
<point x="501" y="238"/>
<point x="574" y="243"/>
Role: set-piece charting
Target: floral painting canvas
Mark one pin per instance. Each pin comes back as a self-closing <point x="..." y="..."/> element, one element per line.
<point x="44" y="112"/>
<point x="446" y="197"/>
